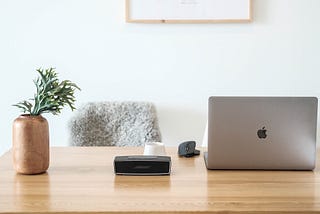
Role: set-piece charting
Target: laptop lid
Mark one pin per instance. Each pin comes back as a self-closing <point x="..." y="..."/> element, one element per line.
<point x="273" y="133"/>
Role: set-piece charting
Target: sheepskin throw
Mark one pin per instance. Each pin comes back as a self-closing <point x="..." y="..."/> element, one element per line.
<point x="114" y="124"/>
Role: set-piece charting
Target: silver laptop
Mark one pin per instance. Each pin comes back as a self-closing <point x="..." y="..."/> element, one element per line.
<point x="271" y="133"/>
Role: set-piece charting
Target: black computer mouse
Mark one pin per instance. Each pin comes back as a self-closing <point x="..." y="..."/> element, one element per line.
<point x="188" y="149"/>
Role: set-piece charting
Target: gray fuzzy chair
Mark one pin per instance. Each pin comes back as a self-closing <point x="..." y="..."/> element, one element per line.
<point x="114" y="124"/>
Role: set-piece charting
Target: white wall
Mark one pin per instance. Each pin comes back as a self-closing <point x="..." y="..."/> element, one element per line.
<point x="175" y="66"/>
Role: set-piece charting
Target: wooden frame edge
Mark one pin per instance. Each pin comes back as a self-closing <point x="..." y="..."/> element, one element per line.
<point x="187" y="21"/>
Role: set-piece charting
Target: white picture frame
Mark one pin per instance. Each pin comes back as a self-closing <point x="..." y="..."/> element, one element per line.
<point x="188" y="11"/>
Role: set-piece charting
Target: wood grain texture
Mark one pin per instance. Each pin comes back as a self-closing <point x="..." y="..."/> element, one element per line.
<point x="81" y="180"/>
<point x="30" y="139"/>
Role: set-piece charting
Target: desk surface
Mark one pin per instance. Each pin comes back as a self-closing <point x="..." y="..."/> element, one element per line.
<point x="81" y="179"/>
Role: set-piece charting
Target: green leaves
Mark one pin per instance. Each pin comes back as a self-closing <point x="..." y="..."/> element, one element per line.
<point x="51" y="95"/>
<point x="25" y="106"/>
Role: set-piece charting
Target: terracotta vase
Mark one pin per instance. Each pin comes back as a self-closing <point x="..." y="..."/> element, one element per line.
<point x="30" y="138"/>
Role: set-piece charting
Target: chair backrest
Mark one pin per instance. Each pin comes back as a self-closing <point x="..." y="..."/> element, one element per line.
<point x="114" y="124"/>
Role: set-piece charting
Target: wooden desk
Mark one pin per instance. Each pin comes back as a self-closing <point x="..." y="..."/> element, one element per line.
<point x="81" y="180"/>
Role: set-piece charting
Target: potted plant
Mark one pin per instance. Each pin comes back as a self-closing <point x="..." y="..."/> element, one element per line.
<point x="30" y="134"/>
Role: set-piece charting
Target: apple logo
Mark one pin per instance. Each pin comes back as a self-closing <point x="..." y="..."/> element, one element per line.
<point x="262" y="133"/>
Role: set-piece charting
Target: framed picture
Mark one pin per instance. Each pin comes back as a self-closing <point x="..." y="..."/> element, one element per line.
<point x="188" y="11"/>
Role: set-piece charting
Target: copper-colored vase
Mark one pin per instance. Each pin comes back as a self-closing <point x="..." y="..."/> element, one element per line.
<point x="30" y="138"/>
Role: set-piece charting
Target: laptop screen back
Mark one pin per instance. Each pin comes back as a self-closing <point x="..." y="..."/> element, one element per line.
<point x="262" y="133"/>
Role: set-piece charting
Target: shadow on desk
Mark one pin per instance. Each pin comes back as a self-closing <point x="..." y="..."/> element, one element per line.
<point x="144" y="183"/>
<point x="25" y="194"/>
